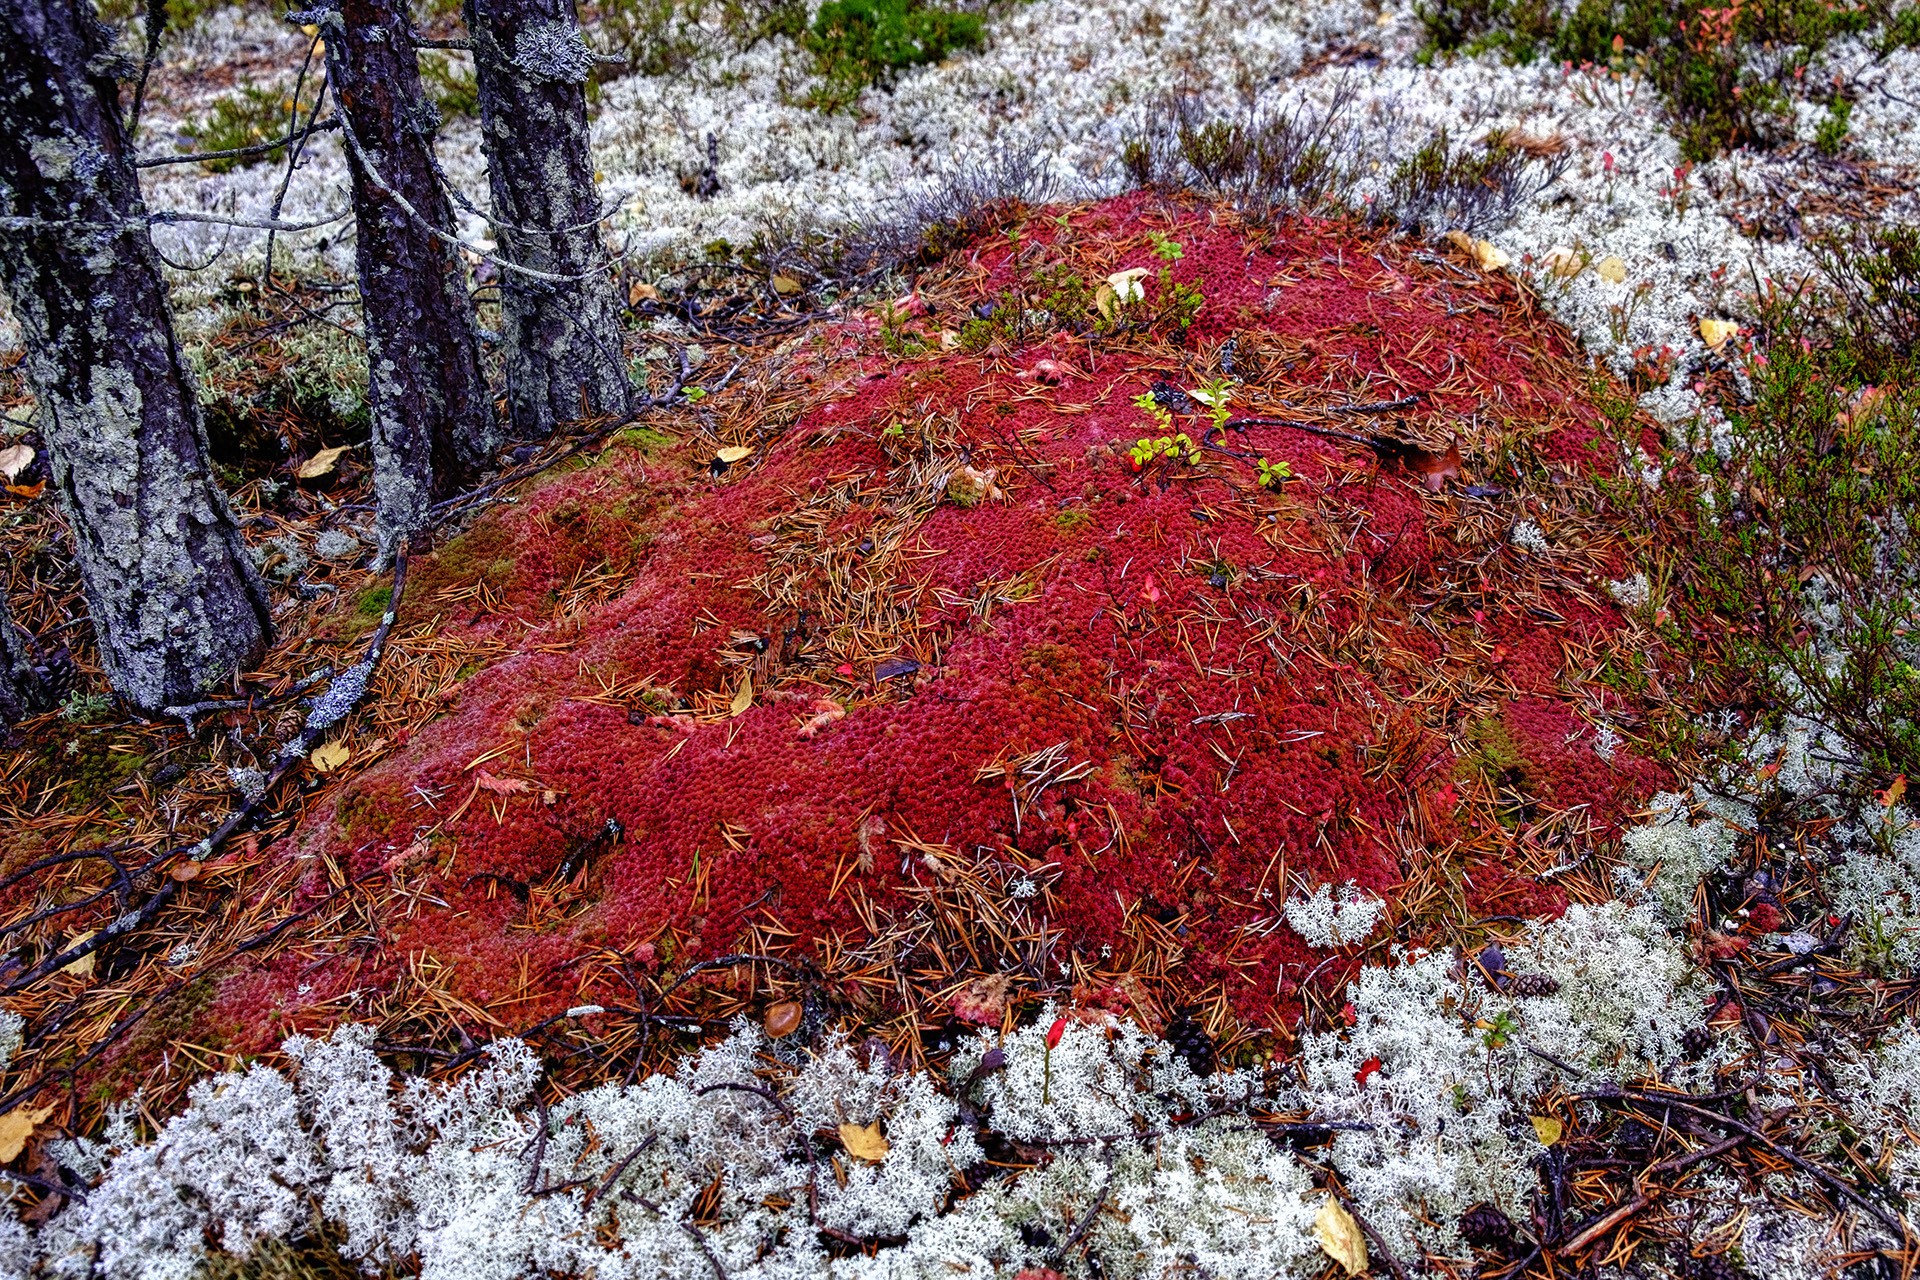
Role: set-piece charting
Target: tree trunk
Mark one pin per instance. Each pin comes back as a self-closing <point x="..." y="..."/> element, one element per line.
<point x="16" y="676"/>
<point x="175" y="601"/>
<point x="433" y="420"/>
<point x="563" y="343"/>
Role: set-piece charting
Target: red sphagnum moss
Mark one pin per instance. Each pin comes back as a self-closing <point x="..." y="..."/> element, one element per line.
<point x="939" y="563"/>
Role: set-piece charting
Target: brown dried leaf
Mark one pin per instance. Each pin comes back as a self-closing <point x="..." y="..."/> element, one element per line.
<point x="14" y="459"/>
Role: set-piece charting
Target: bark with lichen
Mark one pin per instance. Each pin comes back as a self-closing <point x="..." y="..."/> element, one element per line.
<point x="175" y="602"/>
<point x="433" y="419"/>
<point x="562" y="337"/>
<point x="16" y="675"/>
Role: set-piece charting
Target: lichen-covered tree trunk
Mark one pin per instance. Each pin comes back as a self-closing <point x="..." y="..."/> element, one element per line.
<point x="175" y="601"/>
<point x="563" y="349"/>
<point x="433" y="419"/>
<point x="15" y="675"/>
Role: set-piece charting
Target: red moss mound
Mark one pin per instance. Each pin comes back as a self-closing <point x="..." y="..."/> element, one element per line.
<point x="969" y="628"/>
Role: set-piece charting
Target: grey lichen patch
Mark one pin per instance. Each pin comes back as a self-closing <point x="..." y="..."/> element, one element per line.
<point x="553" y="50"/>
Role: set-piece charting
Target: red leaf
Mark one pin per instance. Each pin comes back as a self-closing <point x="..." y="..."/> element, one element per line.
<point x="1055" y="1031"/>
<point x="1366" y="1072"/>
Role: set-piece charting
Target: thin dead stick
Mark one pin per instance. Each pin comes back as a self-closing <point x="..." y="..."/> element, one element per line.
<point x="328" y="710"/>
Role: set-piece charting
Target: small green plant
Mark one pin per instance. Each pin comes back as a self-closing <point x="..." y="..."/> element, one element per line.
<point x="1273" y="474"/>
<point x="861" y="43"/>
<point x="1150" y="449"/>
<point x="245" y="118"/>
<point x="1495" y="1033"/>
<point x="448" y="77"/>
<point x="1830" y="135"/>
<point x="1149" y="404"/>
<point x="81" y="707"/>
<point x="1165" y="249"/>
<point x="1217" y="395"/>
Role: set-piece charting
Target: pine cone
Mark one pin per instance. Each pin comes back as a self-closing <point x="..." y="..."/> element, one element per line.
<point x="1696" y="1042"/>
<point x="1485" y="1227"/>
<point x="1531" y="984"/>
<point x="1191" y="1041"/>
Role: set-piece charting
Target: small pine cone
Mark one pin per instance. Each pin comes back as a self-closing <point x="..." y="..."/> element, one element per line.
<point x="1191" y="1041"/>
<point x="1531" y="984"/>
<point x="1485" y="1227"/>
<point x="1696" y="1042"/>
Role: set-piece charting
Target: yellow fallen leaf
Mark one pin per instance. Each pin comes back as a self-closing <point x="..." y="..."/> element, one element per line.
<point x="17" y="1126"/>
<point x="785" y="285"/>
<point x="1490" y="256"/>
<point x="734" y="453"/>
<point x="1564" y="262"/>
<point x="743" y="696"/>
<point x="1340" y="1236"/>
<point x="864" y="1141"/>
<point x="1461" y="241"/>
<point x="83" y="967"/>
<point x="1547" y="1128"/>
<point x="321" y="463"/>
<point x="1715" y="333"/>
<point x="640" y="291"/>
<point x="1611" y="269"/>
<point x="330" y="757"/>
<point x="1104" y="301"/>
<point x="14" y="459"/>
<point x="309" y="29"/>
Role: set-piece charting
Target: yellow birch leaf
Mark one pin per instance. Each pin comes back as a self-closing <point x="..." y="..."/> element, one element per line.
<point x="1490" y="256"/>
<point x="864" y="1141"/>
<point x="1340" y="1236"/>
<point x="1461" y="241"/>
<point x="743" y="696"/>
<point x="330" y="757"/>
<point x="1715" y="333"/>
<point x="1612" y="269"/>
<point x="84" y="965"/>
<point x="640" y="291"/>
<point x="785" y="284"/>
<point x="321" y="463"/>
<point x="17" y="1126"/>
<point x="734" y="453"/>
<point x="1547" y="1128"/>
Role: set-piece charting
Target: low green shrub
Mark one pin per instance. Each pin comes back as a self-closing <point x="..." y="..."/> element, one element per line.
<point x="860" y="43"/>
<point x="1806" y="555"/>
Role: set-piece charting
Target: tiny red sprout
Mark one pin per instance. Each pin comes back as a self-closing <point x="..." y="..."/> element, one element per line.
<point x="1349" y="1014"/>
<point x="1366" y="1072"/>
<point x="1055" y="1031"/>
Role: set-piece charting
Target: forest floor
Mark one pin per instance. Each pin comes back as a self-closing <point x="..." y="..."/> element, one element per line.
<point x="1138" y="604"/>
